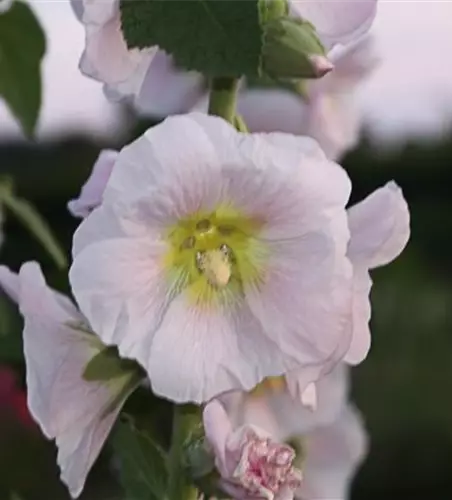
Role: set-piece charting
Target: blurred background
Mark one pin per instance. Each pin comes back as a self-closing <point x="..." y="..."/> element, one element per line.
<point x="403" y="388"/>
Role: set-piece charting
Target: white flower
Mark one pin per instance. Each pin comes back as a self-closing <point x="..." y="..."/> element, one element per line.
<point x="325" y="112"/>
<point x="331" y="440"/>
<point x="92" y="191"/>
<point x="149" y="75"/>
<point x="76" y="413"/>
<point x="218" y="258"/>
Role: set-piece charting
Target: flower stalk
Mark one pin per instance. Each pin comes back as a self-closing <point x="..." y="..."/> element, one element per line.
<point x="223" y="98"/>
<point x="185" y="420"/>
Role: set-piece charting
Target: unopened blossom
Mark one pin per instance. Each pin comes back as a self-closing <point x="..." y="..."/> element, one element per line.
<point x="91" y="194"/>
<point x="149" y="75"/>
<point x="217" y="258"/>
<point x="251" y="463"/>
<point x="331" y="441"/>
<point x="76" y="413"/>
<point x="324" y="110"/>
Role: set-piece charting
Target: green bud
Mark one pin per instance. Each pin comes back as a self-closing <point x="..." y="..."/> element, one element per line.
<point x="292" y="49"/>
<point x="272" y="9"/>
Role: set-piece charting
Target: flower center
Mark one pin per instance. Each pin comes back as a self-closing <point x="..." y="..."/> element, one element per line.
<point x="269" y="385"/>
<point x="212" y="255"/>
<point x="215" y="265"/>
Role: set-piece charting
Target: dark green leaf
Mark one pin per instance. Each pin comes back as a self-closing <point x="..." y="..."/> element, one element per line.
<point x="22" y="47"/>
<point x="142" y="463"/>
<point x="214" y="37"/>
<point x="11" y="347"/>
<point x="29" y="216"/>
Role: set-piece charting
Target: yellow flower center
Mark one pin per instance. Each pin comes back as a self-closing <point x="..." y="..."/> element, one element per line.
<point x="213" y="254"/>
<point x="269" y="385"/>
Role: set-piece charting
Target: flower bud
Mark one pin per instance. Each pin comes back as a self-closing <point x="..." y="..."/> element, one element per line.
<point x="292" y="49"/>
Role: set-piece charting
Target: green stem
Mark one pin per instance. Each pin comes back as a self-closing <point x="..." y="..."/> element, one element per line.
<point x="223" y="98"/>
<point x="179" y="485"/>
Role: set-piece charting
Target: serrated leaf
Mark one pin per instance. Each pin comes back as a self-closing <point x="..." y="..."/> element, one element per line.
<point x="22" y="47"/>
<point x="142" y="463"/>
<point x="32" y="220"/>
<point x="215" y="37"/>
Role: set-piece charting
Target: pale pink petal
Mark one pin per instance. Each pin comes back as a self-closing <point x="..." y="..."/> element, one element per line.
<point x="167" y="90"/>
<point x="186" y="167"/>
<point x="78" y="8"/>
<point x="309" y="397"/>
<point x="333" y="120"/>
<point x="339" y="21"/>
<point x="379" y="227"/>
<point x="293" y="189"/>
<point x="93" y="189"/>
<point x="217" y="428"/>
<point x="127" y="295"/>
<point x="68" y="409"/>
<point x="210" y="351"/>
<point x="306" y="302"/>
<point x="293" y="418"/>
<point x="125" y="70"/>
<point x="333" y="455"/>
<point x="272" y="110"/>
<point x="361" y="338"/>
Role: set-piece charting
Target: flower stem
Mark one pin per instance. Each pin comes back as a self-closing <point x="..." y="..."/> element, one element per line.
<point x="223" y="98"/>
<point x="185" y="418"/>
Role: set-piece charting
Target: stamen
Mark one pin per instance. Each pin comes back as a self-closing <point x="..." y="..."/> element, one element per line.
<point x="215" y="265"/>
<point x="203" y="225"/>
<point x="188" y="243"/>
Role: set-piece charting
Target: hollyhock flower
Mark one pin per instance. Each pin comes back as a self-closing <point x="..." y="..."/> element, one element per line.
<point x="251" y="464"/>
<point x="218" y="258"/>
<point x="331" y="441"/>
<point x="149" y="75"/>
<point x="91" y="194"/>
<point x="75" y="412"/>
<point x="326" y="111"/>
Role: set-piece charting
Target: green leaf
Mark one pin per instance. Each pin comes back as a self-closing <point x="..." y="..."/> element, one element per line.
<point x="107" y="364"/>
<point x="142" y="463"/>
<point x="215" y="37"/>
<point x="22" y="47"/>
<point x="32" y="220"/>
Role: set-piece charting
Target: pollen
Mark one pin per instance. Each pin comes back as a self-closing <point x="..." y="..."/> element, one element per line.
<point x="216" y="266"/>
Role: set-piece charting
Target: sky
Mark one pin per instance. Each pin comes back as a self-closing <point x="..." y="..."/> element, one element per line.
<point x="408" y="96"/>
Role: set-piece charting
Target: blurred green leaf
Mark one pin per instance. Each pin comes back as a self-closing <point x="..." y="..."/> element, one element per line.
<point x="142" y="463"/>
<point x="11" y="348"/>
<point x="22" y="47"/>
<point x="32" y="220"/>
